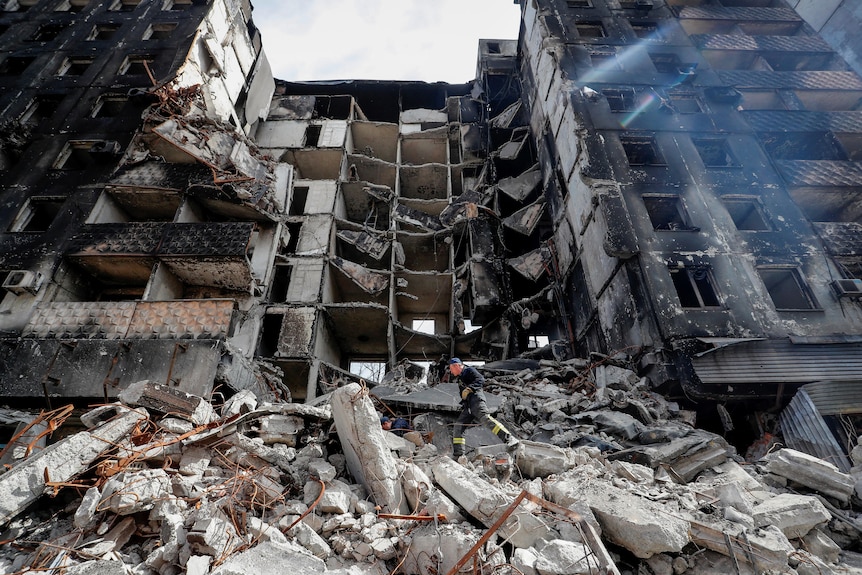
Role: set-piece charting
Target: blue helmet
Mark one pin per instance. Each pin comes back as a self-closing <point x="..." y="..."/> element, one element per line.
<point x="454" y="360"/>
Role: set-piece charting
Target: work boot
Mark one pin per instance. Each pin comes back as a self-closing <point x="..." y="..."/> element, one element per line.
<point x="512" y="444"/>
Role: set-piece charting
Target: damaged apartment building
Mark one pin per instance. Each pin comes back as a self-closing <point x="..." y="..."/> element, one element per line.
<point x="676" y="181"/>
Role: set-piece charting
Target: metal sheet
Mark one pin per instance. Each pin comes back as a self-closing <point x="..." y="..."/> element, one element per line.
<point x="804" y="429"/>
<point x="773" y="361"/>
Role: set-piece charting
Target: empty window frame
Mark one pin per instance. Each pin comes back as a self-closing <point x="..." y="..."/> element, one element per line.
<point x="747" y="213"/>
<point x="9" y="156"/>
<point x="671" y="64"/>
<point x="620" y="99"/>
<point x="667" y="213"/>
<point x="74" y="66"/>
<point x="177" y="5"/>
<point x="537" y="341"/>
<point x="371" y="370"/>
<point x="47" y="32"/>
<point x="591" y="29"/>
<point x="786" y="288"/>
<point x="294" y="231"/>
<point x="714" y="152"/>
<point x="604" y="59"/>
<point x="648" y="31"/>
<point x="281" y="283"/>
<point x="803" y="146"/>
<point x="270" y="332"/>
<point x="137" y="65"/>
<point x="297" y="203"/>
<point x="695" y="286"/>
<point x="109" y="106"/>
<point x="312" y="135"/>
<point x="643" y="5"/>
<point x="423" y="326"/>
<point x="493" y="48"/>
<point x="641" y="151"/>
<point x="37" y="214"/>
<point x="81" y="154"/>
<point x="684" y="102"/>
<point x="124" y="5"/>
<point x="20" y="6"/>
<point x="40" y="108"/>
<point x="103" y="31"/>
<point x="160" y="31"/>
<point x="72" y="5"/>
<point x="15" y="65"/>
<point x="761" y="100"/>
<point x="579" y="4"/>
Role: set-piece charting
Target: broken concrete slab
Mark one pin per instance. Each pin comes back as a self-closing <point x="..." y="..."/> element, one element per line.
<point x="524" y="560"/>
<point x="163" y="399"/>
<point x="812" y="472"/>
<point x="97" y="567"/>
<point x="62" y="461"/>
<point x="337" y="496"/>
<point x="133" y="491"/>
<point x="214" y="536"/>
<point x="280" y="429"/>
<point x="795" y="515"/>
<point x="536" y="459"/>
<point x="559" y="557"/>
<point x="113" y="540"/>
<point x="308" y="538"/>
<point x="271" y="559"/>
<point x="626" y="519"/>
<point x="519" y="187"/>
<point x="819" y="544"/>
<point x="85" y="514"/>
<point x="693" y="453"/>
<point x="487" y="504"/>
<point x="437" y="549"/>
<point x="365" y="449"/>
<point x="764" y="548"/>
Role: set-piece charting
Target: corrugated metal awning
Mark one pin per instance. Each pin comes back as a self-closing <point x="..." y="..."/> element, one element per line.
<point x="804" y="428"/>
<point x="779" y="361"/>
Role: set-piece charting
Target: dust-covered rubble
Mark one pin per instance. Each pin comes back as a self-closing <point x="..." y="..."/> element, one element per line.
<point x="609" y="477"/>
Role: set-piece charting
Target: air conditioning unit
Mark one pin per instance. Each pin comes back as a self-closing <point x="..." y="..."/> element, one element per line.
<point x="22" y="281"/>
<point x="848" y="288"/>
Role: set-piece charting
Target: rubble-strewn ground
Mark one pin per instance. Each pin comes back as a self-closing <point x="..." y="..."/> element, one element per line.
<point x="613" y="479"/>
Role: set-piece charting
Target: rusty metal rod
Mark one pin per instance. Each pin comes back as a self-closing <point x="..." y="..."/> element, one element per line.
<point x="488" y="534"/>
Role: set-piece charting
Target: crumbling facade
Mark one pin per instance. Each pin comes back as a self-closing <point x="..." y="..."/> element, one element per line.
<point x="672" y="181"/>
<point x="139" y="220"/>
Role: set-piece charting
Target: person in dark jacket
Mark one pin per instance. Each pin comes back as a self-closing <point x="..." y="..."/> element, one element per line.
<point x="474" y="407"/>
<point x="398" y="425"/>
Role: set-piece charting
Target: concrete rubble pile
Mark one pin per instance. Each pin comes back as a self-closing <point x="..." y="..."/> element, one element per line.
<point x="609" y="478"/>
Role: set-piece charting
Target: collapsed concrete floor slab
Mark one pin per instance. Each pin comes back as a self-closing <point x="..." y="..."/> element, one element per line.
<point x="244" y="486"/>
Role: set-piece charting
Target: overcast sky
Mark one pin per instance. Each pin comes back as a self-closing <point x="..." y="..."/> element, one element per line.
<point x="430" y="40"/>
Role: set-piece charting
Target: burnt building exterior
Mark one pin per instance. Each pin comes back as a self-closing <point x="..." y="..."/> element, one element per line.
<point x="677" y="181"/>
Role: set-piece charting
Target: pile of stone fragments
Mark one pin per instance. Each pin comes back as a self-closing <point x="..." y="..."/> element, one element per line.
<point x="613" y="479"/>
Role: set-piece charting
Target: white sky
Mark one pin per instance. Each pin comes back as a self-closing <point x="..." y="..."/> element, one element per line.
<point x="429" y="40"/>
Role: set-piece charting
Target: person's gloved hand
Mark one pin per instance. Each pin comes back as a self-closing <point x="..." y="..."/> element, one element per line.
<point x="465" y="393"/>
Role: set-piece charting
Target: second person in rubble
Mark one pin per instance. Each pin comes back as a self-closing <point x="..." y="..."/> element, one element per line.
<point x="474" y="407"/>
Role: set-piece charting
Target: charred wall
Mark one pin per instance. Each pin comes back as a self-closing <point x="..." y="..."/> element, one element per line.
<point x="699" y="222"/>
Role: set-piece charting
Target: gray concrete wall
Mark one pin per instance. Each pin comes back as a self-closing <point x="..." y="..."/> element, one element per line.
<point x="838" y="22"/>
